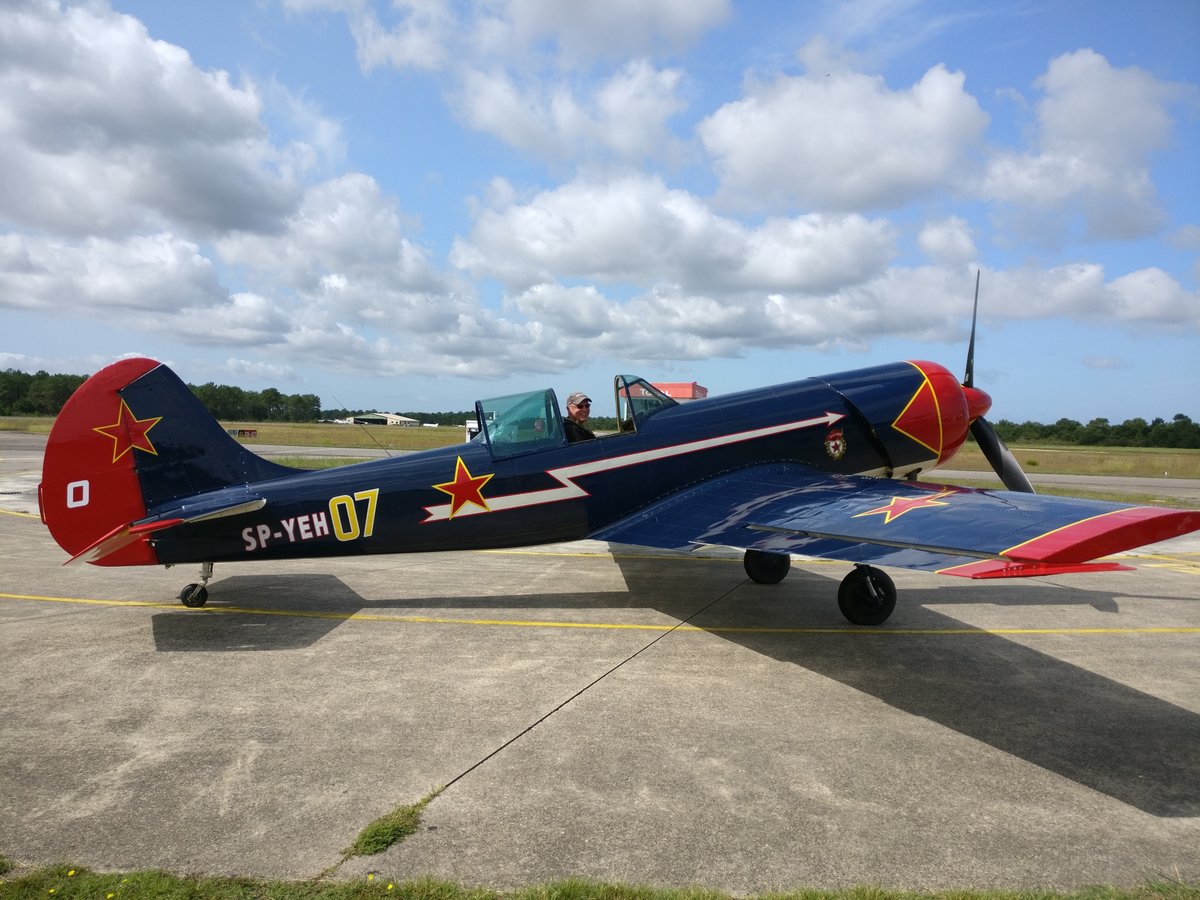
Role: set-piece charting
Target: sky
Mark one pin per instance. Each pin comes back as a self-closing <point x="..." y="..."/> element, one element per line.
<point x="408" y="205"/>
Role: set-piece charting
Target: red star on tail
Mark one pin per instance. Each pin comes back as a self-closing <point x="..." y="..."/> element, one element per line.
<point x="129" y="432"/>
<point x="464" y="489"/>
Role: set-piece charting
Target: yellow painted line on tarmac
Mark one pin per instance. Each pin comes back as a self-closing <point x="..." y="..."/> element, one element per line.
<point x="680" y="556"/>
<point x="1184" y="563"/>
<point x="19" y="515"/>
<point x="600" y="626"/>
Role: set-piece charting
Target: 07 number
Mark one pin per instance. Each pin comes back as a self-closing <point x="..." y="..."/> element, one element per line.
<point x="343" y="512"/>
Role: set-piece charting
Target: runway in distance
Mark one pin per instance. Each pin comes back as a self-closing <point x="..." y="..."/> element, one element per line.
<point x="136" y="472"/>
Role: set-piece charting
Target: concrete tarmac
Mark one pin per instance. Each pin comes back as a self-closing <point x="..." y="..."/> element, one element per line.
<point x="598" y="712"/>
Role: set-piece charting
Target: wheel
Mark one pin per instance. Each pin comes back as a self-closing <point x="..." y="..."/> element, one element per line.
<point x="867" y="596"/>
<point x="766" y="568"/>
<point x="194" y="596"/>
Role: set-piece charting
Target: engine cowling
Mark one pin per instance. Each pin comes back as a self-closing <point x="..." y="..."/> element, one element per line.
<point x="922" y="431"/>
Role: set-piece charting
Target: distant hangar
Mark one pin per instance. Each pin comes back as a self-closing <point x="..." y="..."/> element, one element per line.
<point x="385" y="419"/>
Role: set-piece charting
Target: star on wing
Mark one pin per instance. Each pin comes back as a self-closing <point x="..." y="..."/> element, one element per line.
<point x="465" y="488"/>
<point x="129" y="432"/>
<point x="898" y="506"/>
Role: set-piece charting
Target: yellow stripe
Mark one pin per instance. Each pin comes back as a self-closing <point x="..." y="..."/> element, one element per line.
<point x="605" y="626"/>
<point x="20" y="515"/>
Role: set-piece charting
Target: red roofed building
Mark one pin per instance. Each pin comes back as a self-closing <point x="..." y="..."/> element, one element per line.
<point x="682" y="390"/>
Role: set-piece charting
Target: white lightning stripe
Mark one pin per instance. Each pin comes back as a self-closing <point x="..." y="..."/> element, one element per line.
<point x="567" y="474"/>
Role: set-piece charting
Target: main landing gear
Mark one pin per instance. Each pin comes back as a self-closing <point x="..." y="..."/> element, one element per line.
<point x="193" y="596"/>
<point x="866" y="596"/>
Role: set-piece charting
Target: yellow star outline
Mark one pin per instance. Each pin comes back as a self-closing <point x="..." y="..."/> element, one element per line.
<point x="898" y="506"/>
<point x="465" y="488"/>
<point x="129" y="431"/>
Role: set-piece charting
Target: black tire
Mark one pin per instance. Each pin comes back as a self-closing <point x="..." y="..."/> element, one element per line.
<point x="193" y="596"/>
<point x="766" y="568"/>
<point x="867" y="596"/>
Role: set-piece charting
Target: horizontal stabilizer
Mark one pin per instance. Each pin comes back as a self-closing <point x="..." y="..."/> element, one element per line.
<point x="120" y="538"/>
<point x="184" y="514"/>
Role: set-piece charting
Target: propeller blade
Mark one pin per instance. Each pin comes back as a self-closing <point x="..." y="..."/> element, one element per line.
<point x="969" y="377"/>
<point x="999" y="457"/>
<point x="1002" y="461"/>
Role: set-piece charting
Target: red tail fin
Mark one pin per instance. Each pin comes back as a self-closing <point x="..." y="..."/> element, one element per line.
<point x="131" y="449"/>
<point x="89" y="475"/>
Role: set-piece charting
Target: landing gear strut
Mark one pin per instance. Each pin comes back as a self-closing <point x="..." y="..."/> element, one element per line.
<point x="766" y="568"/>
<point x="867" y="596"/>
<point x="193" y="596"/>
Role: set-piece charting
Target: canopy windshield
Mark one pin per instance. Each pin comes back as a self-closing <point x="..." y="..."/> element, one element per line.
<point x="637" y="401"/>
<point x="520" y="423"/>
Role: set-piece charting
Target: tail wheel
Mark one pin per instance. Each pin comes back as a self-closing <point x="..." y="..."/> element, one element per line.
<point x="867" y="596"/>
<point x="196" y="595"/>
<point x="193" y="596"/>
<point x="766" y="568"/>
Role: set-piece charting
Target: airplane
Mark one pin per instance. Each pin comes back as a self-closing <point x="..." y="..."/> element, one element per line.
<point x="136" y="472"/>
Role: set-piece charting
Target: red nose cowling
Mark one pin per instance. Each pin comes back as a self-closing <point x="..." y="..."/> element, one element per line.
<point x="943" y="424"/>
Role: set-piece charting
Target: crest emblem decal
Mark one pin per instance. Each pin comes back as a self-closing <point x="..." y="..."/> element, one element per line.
<point x="835" y="443"/>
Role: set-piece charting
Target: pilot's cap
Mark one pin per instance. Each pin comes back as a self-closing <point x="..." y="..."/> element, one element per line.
<point x="578" y="397"/>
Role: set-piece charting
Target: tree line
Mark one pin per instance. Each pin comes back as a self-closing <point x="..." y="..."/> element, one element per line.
<point x="1180" y="433"/>
<point x="43" y="394"/>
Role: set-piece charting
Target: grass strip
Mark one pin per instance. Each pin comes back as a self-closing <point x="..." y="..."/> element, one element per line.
<point x="57" y="882"/>
<point x="390" y="829"/>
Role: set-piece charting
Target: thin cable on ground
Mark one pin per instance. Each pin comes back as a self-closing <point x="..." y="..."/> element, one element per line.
<point x="589" y="686"/>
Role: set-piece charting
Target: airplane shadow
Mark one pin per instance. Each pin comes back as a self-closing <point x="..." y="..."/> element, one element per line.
<point x="1085" y="727"/>
<point x="1094" y="731"/>
<point x="289" y="612"/>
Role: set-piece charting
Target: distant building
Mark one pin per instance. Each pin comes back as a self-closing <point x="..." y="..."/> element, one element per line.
<point x="682" y="390"/>
<point x="385" y="419"/>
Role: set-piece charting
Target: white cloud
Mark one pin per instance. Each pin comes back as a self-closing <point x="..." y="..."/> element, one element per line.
<point x="435" y="35"/>
<point x="147" y="284"/>
<point x="529" y="72"/>
<point x="417" y="35"/>
<point x="1098" y="128"/>
<point x="623" y="116"/>
<point x="616" y="27"/>
<point x="344" y="252"/>
<point x="634" y="229"/>
<point x="1107" y="362"/>
<point x="1186" y="237"/>
<point x="259" y="371"/>
<point x="842" y="141"/>
<point x="948" y="241"/>
<point x="104" y="130"/>
<point x="122" y="279"/>
<point x="1146" y="298"/>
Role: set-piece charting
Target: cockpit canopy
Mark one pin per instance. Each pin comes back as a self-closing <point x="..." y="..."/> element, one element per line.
<point x="516" y="424"/>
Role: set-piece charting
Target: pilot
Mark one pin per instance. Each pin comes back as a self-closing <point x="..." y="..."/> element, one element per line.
<point x="579" y="407"/>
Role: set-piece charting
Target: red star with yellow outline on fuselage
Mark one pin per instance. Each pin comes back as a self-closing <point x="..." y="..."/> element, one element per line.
<point x="898" y="506"/>
<point x="465" y="488"/>
<point x="130" y="430"/>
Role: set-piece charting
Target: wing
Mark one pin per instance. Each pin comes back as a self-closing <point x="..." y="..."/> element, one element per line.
<point x="788" y="508"/>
